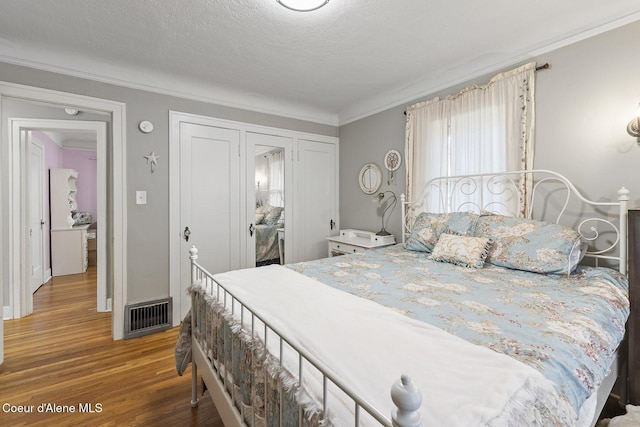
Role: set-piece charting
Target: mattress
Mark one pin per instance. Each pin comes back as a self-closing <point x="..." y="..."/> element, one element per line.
<point x="567" y="328"/>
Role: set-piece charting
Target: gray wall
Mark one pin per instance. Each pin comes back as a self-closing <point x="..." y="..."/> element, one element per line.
<point x="367" y="141"/>
<point x="583" y="104"/>
<point x="148" y="225"/>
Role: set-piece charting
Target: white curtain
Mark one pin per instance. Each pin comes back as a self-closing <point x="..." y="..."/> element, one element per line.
<point x="276" y="178"/>
<point x="479" y="130"/>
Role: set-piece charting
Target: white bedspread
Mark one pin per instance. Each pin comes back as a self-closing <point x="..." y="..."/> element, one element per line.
<point x="369" y="346"/>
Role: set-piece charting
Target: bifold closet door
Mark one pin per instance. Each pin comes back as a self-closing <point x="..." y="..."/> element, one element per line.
<point x="316" y="199"/>
<point x="209" y="200"/>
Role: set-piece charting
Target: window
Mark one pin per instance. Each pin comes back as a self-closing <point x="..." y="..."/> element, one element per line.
<point x="482" y="129"/>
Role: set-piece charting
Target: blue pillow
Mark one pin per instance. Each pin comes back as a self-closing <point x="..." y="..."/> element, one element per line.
<point x="529" y="245"/>
<point x="428" y="227"/>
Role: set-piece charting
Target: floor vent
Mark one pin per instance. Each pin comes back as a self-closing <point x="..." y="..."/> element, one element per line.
<point x="147" y="317"/>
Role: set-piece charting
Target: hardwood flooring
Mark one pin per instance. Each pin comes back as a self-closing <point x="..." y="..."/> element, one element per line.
<point x="63" y="357"/>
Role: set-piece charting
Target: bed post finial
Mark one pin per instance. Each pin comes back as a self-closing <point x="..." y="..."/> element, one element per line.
<point x="623" y="194"/>
<point x="408" y="399"/>
<point x="193" y="253"/>
<point x="623" y="198"/>
<point x="403" y="213"/>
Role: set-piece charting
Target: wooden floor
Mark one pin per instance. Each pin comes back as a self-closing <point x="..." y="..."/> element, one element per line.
<point x="63" y="355"/>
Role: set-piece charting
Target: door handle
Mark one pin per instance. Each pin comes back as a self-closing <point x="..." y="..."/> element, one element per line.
<point x="332" y="224"/>
<point x="251" y="228"/>
<point x="186" y="234"/>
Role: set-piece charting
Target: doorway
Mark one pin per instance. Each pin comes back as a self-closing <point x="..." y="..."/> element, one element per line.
<point x="21" y="135"/>
<point x="13" y="248"/>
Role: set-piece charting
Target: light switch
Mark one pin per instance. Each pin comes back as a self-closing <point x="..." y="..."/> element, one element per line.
<point x="141" y="197"/>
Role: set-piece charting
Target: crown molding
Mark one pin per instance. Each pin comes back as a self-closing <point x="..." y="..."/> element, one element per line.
<point x="459" y="75"/>
<point x="194" y="91"/>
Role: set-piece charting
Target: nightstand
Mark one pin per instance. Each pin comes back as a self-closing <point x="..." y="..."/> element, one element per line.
<point x="353" y="241"/>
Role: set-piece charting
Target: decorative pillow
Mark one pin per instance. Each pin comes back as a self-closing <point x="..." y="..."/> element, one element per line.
<point x="577" y="254"/>
<point x="273" y="216"/>
<point x="260" y="218"/>
<point x="182" y="351"/>
<point x="526" y="244"/>
<point x="264" y="209"/>
<point x="427" y="228"/>
<point x="466" y="251"/>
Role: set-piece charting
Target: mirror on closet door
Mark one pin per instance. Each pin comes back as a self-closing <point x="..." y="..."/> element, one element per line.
<point x="269" y="203"/>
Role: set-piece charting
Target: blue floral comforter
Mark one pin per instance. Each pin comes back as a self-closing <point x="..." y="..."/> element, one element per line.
<point x="566" y="327"/>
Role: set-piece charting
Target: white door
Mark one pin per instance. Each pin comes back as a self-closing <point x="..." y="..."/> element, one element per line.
<point x="36" y="215"/>
<point x="209" y="201"/>
<point x="262" y="189"/>
<point x="316" y="199"/>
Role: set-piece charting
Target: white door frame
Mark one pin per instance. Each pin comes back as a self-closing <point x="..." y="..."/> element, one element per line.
<point x="19" y="126"/>
<point x="13" y="248"/>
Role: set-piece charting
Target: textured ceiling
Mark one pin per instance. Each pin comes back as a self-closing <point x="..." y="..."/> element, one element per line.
<point x="344" y="61"/>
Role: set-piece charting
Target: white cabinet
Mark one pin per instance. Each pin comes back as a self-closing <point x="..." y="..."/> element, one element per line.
<point x="69" y="250"/>
<point x="62" y="196"/>
<point x="68" y="243"/>
<point x="354" y="241"/>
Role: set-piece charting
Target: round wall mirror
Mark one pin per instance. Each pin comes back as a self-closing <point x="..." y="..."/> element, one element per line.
<point x="370" y="178"/>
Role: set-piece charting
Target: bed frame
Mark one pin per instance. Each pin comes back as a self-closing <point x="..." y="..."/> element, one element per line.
<point x="552" y="198"/>
<point x="405" y="396"/>
<point x="595" y="227"/>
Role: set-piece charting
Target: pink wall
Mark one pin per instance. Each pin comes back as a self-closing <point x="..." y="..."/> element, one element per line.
<point x="84" y="162"/>
<point x="78" y="160"/>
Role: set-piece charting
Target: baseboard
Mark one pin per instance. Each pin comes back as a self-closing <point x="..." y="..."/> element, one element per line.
<point x="6" y="309"/>
<point x="47" y="276"/>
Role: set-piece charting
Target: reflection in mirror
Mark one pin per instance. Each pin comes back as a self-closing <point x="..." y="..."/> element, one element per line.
<point x="270" y="213"/>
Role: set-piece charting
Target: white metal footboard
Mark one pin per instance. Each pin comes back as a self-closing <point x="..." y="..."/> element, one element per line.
<point x="406" y="398"/>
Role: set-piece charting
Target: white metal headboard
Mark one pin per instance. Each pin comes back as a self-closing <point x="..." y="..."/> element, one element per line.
<point x="549" y="197"/>
<point x="270" y="197"/>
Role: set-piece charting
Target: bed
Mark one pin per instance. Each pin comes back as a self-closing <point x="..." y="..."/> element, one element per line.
<point x="268" y="220"/>
<point x="482" y="316"/>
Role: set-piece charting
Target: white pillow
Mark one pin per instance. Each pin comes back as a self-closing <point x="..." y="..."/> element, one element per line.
<point x="466" y="251"/>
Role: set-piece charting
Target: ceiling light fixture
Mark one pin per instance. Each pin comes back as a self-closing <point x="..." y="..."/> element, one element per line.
<point x="303" y="5"/>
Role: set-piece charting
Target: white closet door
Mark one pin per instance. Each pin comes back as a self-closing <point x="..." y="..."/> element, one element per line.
<point x="316" y="199"/>
<point x="258" y="144"/>
<point x="209" y="201"/>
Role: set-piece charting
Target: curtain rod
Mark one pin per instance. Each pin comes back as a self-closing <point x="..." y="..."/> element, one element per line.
<point x="544" y="66"/>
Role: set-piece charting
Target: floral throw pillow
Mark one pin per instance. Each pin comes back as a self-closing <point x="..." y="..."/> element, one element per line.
<point x="273" y="216"/>
<point x="466" y="251"/>
<point x="428" y="227"/>
<point x="182" y="350"/>
<point x="529" y="245"/>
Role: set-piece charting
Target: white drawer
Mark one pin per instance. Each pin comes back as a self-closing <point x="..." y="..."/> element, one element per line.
<point x="344" y="248"/>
